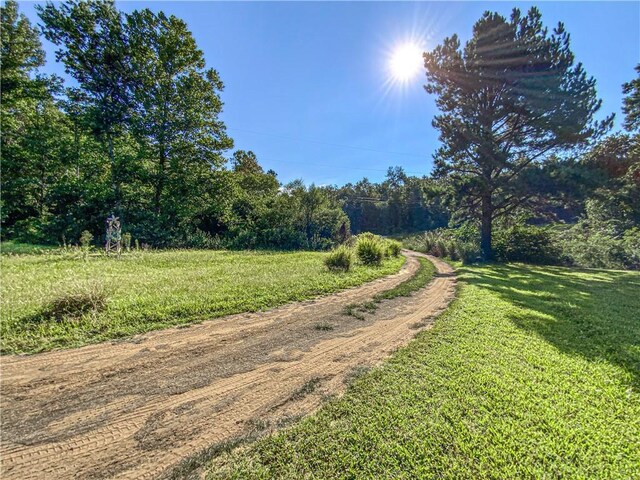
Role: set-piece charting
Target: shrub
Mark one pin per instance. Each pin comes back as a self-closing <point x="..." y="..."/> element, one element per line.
<point x="595" y="245"/>
<point x="368" y="236"/>
<point x="370" y="251"/>
<point x="439" y="249"/>
<point x="524" y="243"/>
<point x="631" y="247"/>
<point x="126" y="240"/>
<point x="85" y="239"/>
<point x="394" y="248"/>
<point x="468" y="252"/>
<point x="452" y="249"/>
<point x="339" y="259"/>
<point x="201" y="239"/>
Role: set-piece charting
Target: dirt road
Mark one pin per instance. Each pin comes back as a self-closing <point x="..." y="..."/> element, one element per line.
<point x="135" y="409"/>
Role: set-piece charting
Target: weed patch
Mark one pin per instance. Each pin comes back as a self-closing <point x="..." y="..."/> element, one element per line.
<point x="323" y="326"/>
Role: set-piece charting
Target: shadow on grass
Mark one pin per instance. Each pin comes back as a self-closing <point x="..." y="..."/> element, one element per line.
<point x="593" y="313"/>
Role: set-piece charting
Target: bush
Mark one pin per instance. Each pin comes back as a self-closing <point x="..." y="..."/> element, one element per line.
<point x="85" y="239"/>
<point x="439" y="243"/>
<point x="468" y="252"/>
<point x="595" y="245"/>
<point x="126" y="240"/>
<point x="524" y="243"/>
<point x="339" y="259"/>
<point x="394" y="248"/>
<point x="200" y="239"/>
<point x="370" y="251"/>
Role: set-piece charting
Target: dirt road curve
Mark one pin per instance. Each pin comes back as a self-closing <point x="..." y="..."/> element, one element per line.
<point x="135" y="409"/>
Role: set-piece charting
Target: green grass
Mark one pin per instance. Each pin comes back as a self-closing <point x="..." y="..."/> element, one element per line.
<point x="423" y="275"/>
<point x="9" y="247"/>
<point x="532" y="373"/>
<point x="143" y="291"/>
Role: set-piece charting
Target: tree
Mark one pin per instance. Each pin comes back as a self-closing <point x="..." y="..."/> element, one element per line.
<point x="33" y="128"/>
<point x="316" y="213"/>
<point x="615" y="163"/>
<point x="94" y="49"/>
<point x="21" y="53"/>
<point x="177" y="105"/>
<point x="631" y="103"/>
<point x="245" y="162"/>
<point x="510" y="98"/>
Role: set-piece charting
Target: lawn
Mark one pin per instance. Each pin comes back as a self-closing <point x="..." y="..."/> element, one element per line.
<point x="9" y="247"/>
<point x="60" y="300"/>
<point x="533" y="372"/>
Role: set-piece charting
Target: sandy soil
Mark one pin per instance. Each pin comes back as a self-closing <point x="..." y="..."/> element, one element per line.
<point x="135" y="409"/>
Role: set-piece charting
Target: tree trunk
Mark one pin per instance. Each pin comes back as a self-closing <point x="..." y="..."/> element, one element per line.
<point x="485" y="230"/>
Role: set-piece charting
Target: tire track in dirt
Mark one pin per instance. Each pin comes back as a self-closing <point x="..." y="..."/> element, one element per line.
<point x="136" y="409"/>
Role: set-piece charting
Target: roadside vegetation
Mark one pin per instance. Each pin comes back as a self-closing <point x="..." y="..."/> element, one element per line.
<point x="69" y="299"/>
<point x="590" y="243"/>
<point x="423" y="275"/>
<point x="532" y="373"/>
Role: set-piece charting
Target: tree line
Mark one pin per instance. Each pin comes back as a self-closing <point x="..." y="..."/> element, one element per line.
<point x="138" y="134"/>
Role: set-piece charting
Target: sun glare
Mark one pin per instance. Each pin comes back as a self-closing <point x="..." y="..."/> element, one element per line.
<point x="405" y="62"/>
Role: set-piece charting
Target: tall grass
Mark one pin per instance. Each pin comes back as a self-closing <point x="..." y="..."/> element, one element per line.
<point x="444" y="243"/>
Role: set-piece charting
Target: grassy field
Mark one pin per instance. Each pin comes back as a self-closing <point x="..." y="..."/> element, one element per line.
<point x="532" y="373"/>
<point x="16" y="248"/>
<point x="58" y="300"/>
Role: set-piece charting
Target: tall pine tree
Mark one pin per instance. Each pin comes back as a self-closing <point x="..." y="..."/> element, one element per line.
<point x="510" y="98"/>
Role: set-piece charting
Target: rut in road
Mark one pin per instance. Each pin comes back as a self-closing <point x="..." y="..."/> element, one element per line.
<point x="136" y="409"/>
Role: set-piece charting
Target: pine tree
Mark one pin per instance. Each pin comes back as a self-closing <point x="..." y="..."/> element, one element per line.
<point x="510" y="98"/>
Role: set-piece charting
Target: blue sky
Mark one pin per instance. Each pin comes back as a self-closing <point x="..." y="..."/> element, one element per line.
<point x="307" y="84"/>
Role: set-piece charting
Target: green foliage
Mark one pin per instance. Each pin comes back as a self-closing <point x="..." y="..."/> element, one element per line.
<point x="592" y="245"/>
<point x="399" y="204"/>
<point x="339" y="259"/>
<point x="393" y="248"/>
<point x="531" y="373"/>
<point x="458" y="244"/>
<point x="527" y="244"/>
<point x="85" y="239"/>
<point x="467" y="252"/>
<point x="177" y="108"/>
<point x="495" y="123"/>
<point x="126" y="241"/>
<point x="201" y="240"/>
<point x="140" y="136"/>
<point x="631" y="103"/>
<point x="149" y="290"/>
<point x="93" y="46"/>
<point x="370" y="250"/>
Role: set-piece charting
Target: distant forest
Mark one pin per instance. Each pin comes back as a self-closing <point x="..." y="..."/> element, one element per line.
<point x="140" y="136"/>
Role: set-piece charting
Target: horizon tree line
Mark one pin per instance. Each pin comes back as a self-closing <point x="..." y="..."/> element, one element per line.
<point x="139" y="135"/>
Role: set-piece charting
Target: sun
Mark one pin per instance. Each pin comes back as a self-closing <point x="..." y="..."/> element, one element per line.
<point x="405" y="62"/>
